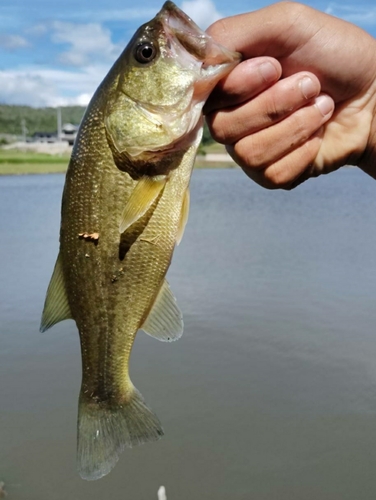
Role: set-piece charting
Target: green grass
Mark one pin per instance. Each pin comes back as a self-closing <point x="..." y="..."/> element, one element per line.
<point x="52" y="168"/>
<point x="18" y="162"/>
<point x="17" y="157"/>
<point x="32" y="168"/>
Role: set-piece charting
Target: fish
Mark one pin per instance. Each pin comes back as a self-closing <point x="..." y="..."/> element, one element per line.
<point x="124" y="208"/>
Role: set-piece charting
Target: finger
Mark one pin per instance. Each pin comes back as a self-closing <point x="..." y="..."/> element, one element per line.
<point x="270" y="107"/>
<point x="299" y="36"/>
<point x="278" y="30"/>
<point x="291" y="170"/>
<point x="258" y="151"/>
<point x="248" y="79"/>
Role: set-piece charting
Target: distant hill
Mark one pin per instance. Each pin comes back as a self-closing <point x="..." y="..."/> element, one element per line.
<point x="36" y="119"/>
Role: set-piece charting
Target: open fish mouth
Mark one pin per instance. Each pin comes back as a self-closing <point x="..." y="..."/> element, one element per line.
<point x="180" y="29"/>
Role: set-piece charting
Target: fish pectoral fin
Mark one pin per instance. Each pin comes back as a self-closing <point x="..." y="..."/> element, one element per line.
<point x="183" y="216"/>
<point x="56" y="306"/>
<point x="143" y="196"/>
<point x="165" y="320"/>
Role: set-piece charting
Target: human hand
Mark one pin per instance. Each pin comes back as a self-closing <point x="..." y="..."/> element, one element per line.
<point x="319" y="116"/>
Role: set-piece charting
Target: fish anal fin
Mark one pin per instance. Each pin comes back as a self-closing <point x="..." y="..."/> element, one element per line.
<point x="183" y="216"/>
<point x="165" y="321"/>
<point x="56" y="306"/>
<point x="143" y="196"/>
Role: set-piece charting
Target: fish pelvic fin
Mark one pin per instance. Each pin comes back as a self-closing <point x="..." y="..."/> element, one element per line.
<point x="56" y="306"/>
<point x="105" y="429"/>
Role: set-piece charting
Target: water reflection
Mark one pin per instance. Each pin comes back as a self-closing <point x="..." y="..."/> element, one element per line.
<point x="270" y="394"/>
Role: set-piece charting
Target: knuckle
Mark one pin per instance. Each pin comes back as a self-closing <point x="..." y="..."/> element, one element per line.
<point x="222" y="129"/>
<point x="294" y="9"/>
<point x="300" y="125"/>
<point x="218" y="30"/>
<point x="273" y="111"/>
<point x="261" y="180"/>
<point x="216" y="131"/>
<point x="255" y="152"/>
<point x="276" y="177"/>
<point x="218" y="134"/>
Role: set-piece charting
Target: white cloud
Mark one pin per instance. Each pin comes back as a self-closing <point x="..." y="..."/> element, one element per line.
<point x="13" y="42"/>
<point x="203" y="12"/>
<point x="46" y="87"/>
<point x="88" y="43"/>
<point x="25" y="89"/>
<point x="88" y="46"/>
<point x="356" y="14"/>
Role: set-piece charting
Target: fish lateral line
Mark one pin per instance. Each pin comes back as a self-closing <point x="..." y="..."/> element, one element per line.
<point x="153" y="241"/>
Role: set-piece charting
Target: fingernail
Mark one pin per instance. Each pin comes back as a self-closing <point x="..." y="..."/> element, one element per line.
<point x="325" y="104"/>
<point x="308" y="87"/>
<point x="268" y="72"/>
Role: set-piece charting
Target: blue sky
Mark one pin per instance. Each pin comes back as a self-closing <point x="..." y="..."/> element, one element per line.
<point x="57" y="52"/>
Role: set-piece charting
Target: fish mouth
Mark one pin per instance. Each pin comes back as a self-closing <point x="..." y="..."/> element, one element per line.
<point x="215" y="59"/>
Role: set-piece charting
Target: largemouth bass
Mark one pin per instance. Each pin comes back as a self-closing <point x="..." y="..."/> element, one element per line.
<point x="124" y="208"/>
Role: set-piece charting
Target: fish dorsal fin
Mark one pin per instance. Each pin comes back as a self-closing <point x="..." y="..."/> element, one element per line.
<point x="165" y="321"/>
<point x="56" y="307"/>
<point x="144" y="194"/>
<point x="183" y="216"/>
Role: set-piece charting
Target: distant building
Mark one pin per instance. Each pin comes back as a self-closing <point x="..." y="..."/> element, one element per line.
<point x="68" y="134"/>
<point x="44" y="137"/>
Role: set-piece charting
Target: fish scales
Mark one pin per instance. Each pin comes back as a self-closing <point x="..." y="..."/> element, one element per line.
<point x="124" y="208"/>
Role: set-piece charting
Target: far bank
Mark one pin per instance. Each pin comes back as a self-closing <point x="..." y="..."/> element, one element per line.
<point x="26" y="158"/>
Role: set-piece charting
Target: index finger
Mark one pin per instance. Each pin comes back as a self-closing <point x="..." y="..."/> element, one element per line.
<point x="267" y="31"/>
<point x="248" y="79"/>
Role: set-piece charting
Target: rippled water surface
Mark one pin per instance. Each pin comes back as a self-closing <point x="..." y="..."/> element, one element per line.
<point x="271" y="392"/>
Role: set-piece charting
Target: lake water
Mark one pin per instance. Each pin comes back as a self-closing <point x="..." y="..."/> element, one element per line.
<point x="271" y="392"/>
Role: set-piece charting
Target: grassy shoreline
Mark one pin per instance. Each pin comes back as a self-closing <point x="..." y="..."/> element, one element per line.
<point x="13" y="162"/>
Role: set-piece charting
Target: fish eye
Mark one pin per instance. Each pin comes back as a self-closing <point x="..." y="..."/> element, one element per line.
<point x="145" y="52"/>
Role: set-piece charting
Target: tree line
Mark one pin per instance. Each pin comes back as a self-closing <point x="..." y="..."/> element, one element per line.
<point x="14" y="119"/>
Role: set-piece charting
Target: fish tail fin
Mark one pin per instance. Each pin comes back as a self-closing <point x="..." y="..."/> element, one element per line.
<point x="106" y="428"/>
